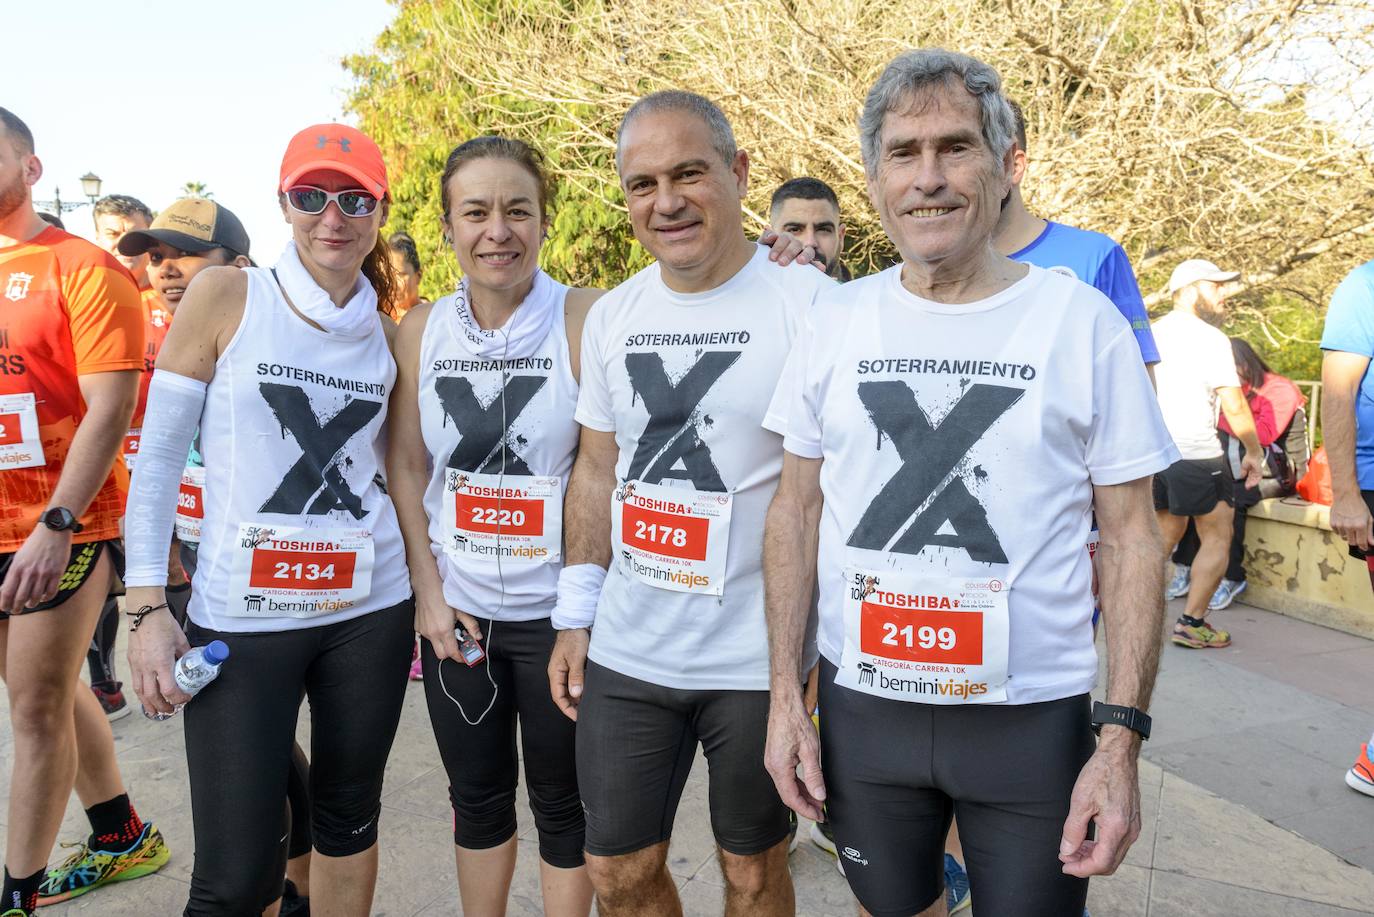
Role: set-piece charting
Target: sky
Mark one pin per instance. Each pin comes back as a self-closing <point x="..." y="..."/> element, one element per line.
<point x="150" y="94"/>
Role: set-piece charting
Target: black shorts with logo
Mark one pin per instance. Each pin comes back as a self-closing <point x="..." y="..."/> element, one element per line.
<point x="80" y="566"/>
<point x="635" y="745"/>
<point x="897" y="772"/>
<point x="1193" y="487"/>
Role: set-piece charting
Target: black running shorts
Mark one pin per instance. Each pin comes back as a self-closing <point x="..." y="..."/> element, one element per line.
<point x="80" y="566"/>
<point x="1194" y="487"/>
<point x="635" y="745"/>
<point x="897" y="772"/>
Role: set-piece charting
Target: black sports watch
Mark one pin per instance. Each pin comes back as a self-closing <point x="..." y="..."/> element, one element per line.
<point x="61" y="519"/>
<point x="1111" y="715"/>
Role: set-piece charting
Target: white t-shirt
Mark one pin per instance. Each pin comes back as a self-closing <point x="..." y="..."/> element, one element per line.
<point x="963" y="441"/>
<point x="1195" y="360"/>
<point x="704" y="367"/>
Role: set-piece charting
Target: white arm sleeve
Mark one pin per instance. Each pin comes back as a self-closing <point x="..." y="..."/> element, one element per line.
<point x="169" y="426"/>
<point x="579" y="589"/>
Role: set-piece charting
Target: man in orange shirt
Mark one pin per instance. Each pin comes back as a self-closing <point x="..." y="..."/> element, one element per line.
<point x="71" y="342"/>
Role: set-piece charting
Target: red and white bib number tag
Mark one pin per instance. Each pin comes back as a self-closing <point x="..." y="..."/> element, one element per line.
<point x="191" y="504"/>
<point x="929" y="640"/>
<point x="518" y="519"/>
<point x="130" y="447"/>
<point x="295" y="572"/>
<point x="1094" y="540"/>
<point x="20" y="444"/>
<point x="671" y="537"/>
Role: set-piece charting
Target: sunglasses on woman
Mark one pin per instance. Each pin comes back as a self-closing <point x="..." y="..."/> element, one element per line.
<point x="311" y="200"/>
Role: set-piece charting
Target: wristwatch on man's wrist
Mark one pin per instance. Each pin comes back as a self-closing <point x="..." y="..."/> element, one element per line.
<point x="1137" y="721"/>
<point x="61" y="519"/>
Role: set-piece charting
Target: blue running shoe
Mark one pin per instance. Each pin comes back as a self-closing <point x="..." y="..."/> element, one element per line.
<point x="957" y="896"/>
<point x="1226" y="593"/>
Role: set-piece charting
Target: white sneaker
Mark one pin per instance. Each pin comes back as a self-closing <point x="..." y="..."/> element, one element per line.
<point x="1178" y="586"/>
<point x="822" y="840"/>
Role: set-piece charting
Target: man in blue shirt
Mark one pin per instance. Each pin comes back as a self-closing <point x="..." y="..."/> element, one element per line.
<point x="1348" y="431"/>
<point x="1082" y="254"/>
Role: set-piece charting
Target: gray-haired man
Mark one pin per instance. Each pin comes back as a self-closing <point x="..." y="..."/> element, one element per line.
<point x="951" y="423"/>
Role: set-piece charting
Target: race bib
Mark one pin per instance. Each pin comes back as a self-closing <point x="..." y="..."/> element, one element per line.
<point x="191" y="504"/>
<point x="130" y="448"/>
<point x="671" y="537"/>
<point x="925" y="639"/>
<point x="20" y="444"/>
<point x="295" y="572"/>
<point x="518" y="520"/>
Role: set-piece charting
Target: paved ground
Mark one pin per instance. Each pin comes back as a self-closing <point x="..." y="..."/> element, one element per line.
<point x="1244" y="806"/>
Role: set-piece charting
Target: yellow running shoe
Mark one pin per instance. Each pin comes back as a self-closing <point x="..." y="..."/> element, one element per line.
<point x="87" y="869"/>
<point x="1200" y="636"/>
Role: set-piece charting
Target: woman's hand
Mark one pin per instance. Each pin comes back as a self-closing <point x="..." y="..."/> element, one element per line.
<point x="154" y="649"/>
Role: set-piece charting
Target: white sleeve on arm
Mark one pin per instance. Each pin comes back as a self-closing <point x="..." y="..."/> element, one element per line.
<point x="169" y="425"/>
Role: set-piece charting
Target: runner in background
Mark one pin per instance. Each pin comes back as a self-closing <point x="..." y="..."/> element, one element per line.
<point x="405" y="264"/>
<point x="71" y="340"/>
<point x="116" y="215"/>
<point x="482" y="438"/>
<point x="301" y="568"/>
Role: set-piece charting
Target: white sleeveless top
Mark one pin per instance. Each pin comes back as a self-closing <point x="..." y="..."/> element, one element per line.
<point x="298" y="531"/>
<point x="497" y="535"/>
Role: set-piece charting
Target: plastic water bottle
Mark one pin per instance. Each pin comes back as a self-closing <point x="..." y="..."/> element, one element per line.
<point x="194" y="671"/>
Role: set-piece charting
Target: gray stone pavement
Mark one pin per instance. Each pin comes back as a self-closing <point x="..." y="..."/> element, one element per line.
<point x="1244" y="807"/>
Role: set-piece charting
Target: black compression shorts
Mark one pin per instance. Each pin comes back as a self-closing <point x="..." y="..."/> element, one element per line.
<point x="897" y="772"/>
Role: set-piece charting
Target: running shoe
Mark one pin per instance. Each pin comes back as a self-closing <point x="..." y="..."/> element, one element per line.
<point x="111" y="697"/>
<point x="1200" y="637"/>
<point x="87" y="869"/>
<point x="792" y="839"/>
<point x="417" y="672"/>
<point x="293" y="903"/>
<point x="1226" y="594"/>
<point x="823" y="837"/>
<point x="1360" y="777"/>
<point x="1178" y="586"/>
<point x="957" y="897"/>
<point x="17" y="912"/>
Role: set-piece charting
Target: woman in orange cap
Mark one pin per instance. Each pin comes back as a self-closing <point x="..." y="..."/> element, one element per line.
<point x="287" y="372"/>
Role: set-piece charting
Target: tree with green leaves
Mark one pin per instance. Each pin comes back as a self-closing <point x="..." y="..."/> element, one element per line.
<point x="1183" y="128"/>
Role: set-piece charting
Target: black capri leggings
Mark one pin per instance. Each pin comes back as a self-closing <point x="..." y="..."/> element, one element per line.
<point x="481" y="760"/>
<point x="240" y="732"/>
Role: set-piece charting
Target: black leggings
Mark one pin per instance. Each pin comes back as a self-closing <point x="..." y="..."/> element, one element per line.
<point x="240" y="731"/>
<point x="481" y="760"/>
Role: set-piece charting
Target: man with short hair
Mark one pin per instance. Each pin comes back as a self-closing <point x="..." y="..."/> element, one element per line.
<point x="951" y="423"/>
<point x="808" y="210"/>
<point x="673" y="475"/>
<point x="115" y="215"/>
<point x="1091" y="257"/>
<point x="1348" y="432"/>
<point x="1195" y="375"/>
<point x="71" y="337"/>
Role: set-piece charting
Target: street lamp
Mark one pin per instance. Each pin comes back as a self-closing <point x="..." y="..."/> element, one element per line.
<point x="90" y="186"/>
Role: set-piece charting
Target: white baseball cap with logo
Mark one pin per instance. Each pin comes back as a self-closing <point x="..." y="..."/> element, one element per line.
<point x="1195" y="269"/>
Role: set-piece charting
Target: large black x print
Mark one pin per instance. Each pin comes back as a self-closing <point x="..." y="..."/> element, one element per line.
<point x="484" y="437"/>
<point x="671" y="435"/>
<point x="928" y="455"/>
<point x="316" y="473"/>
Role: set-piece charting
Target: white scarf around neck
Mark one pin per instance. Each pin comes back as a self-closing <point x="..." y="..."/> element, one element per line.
<point x="522" y="333"/>
<point x="354" y="320"/>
